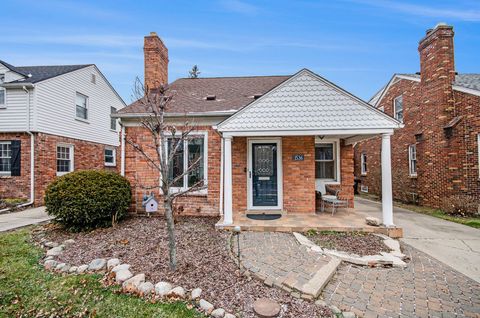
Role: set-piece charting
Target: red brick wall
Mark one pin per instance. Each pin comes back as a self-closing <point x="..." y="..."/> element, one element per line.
<point x="239" y="174"/>
<point x="87" y="155"/>
<point x="156" y="61"/>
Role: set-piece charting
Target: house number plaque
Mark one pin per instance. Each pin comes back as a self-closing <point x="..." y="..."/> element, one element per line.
<point x="298" y="157"/>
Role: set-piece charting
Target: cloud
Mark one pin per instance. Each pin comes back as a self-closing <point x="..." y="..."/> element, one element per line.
<point x="239" y="7"/>
<point x="425" y="11"/>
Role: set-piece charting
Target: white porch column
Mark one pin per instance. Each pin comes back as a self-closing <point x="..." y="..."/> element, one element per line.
<point x="227" y="189"/>
<point x="387" y="203"/>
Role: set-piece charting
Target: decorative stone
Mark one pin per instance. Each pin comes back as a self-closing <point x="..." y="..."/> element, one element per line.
<point x="145" y="288"/>
<point x="163" y="288"/>
<point x="97" y="264"/>
<point x="394" y="245"/>
<point x="317" y="249"/>
<point x="60" y="266"/>
<point x="177" y="292"/>
<point x="218" y="313"/>
<point x="196" y="293"/>
<point x="120" y="267"/>
<point x="73" y="269"/>
<point x="348" y="314"/>
<point x="50" y="264"/>
<point x="206" y="306"/>
<point x="50" y="244"/>
<point x="227" y="315"/>
<point x="266" y="307"/>
<point x="48" y="258"/>
<point x="69" y="242"/>
<point x="321" y="303"/>
<point x="55" y="251"/>
<point x="335" y="310"/>
<point x="132" y="284"/>
<point x="82" y="268"/>
<point x="112" y="263"/>
<point x="123" y="275"/>
<point x="65" y="268"/>
<point x="370" y="220"/>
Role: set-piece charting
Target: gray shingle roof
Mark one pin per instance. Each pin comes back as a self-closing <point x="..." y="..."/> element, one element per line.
<point x="466" y="80"/>
<point x="40" y="73"/>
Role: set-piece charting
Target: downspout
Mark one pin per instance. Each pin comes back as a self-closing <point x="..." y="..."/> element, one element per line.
<point x="32" y="154"/>
<point x="122" y="150"/>
<point x="221" y="177"/>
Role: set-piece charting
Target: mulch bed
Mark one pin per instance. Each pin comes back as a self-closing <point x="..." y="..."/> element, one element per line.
<point x="202" y="255"/>
<point x="351" y="242"/>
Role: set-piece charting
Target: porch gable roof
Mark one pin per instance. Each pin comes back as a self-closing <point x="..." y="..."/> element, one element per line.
<point x="308" y="102"/>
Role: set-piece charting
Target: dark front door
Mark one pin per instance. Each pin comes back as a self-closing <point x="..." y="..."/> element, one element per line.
<point x="264" y="174"/>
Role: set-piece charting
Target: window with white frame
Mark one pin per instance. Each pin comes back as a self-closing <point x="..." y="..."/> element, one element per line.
<point x="412" y="160"/>
<point x="5" y="157"/>
<point x="398" y="108"/>
<point x="191" y="153"/>
<point x="81" y="104"/>
<point x="363" y="162"/>
<point x="2" y="91"/>
<point x="109" y="155"/>
<point x="64" y="159"/>
<point x="113" y="121"/>
<point x="325" y="161"/>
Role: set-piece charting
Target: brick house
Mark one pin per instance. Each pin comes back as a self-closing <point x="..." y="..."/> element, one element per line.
<point x="268" y="143"/>
<point x="53" y="120"/>
<point x="436" y="155"/>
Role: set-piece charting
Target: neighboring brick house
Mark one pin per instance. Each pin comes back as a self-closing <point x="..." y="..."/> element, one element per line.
<point x="436" y="155"/>
<point x="268" y="143"/>
<point x="53" y="120"/>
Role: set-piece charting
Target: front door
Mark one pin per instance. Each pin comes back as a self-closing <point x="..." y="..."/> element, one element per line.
<point x="263" y="174"/>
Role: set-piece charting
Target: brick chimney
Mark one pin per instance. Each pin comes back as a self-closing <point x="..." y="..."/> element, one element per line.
<point x="156" y="61"/>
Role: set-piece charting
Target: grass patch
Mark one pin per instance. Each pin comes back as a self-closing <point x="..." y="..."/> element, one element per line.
<point x="469" y="221"/>
<point x="27" y="290"/>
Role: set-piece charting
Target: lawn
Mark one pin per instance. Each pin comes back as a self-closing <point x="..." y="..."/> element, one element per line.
<point x="26" y="290"/>
<point x="469" y="221"/>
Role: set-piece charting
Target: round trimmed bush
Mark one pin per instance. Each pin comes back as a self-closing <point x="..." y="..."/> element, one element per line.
<point x="83" y="200"/>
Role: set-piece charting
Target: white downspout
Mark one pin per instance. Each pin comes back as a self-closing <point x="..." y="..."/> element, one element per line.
<point x="221" y="177"/>
<point x="32" y="154"/>
<point x="122" y="150"/>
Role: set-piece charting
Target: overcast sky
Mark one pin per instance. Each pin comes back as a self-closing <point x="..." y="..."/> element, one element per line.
<point x="357" y="44"/>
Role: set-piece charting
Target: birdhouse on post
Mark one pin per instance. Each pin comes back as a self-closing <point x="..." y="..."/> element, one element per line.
<point x="149" y="203"/>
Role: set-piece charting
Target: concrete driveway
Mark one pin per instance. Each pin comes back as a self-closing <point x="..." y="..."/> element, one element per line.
<point x="11" y="221"/>
<point x="454" y="244"/>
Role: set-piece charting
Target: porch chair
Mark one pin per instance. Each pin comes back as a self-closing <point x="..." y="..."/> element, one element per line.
<point x="332" y="197"/>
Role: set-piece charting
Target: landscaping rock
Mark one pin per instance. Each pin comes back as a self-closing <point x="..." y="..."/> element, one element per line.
<point x="123" y="275"/>
<point x="48" y="258"/>
<point x="50" y="264"/>
<point x="266" y="307"/>
<point x="348" y="314"/>
<point x="82" y="268"/>
<point x="69" y="242"/>
<point x="394" y="245"/>
<point x="145" y="288"/>
<point x="196" y="293"/>
<point x="97" y="264"/>
<point x="112" y="263"/>
<point x="55" y="251"/>
<point x="73" y="269"/>
<point x="335" y="310"/>
<point x="50" y="244"/>
<point x="120" y="267"/>
<point x="227" y="315"/>
<point x="131" y="285"/>
<point x="206" y="306"/>
<point x="321" y="303"/>
<point x="177" y="292"/>
<point x="60" y="266"/>
<point x="370" y="220"/>
<point x="163" y="288"/>
<point x="218" y="313"/>
<point x="65" y="268"/>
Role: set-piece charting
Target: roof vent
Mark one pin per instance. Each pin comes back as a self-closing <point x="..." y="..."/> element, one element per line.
<point x="211" y="97"/>
<point x="256" y="96"/>
<point x="29" y="75"/>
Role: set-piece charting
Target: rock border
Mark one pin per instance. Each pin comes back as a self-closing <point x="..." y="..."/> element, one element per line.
<point x="133" y="284"/>
<point x="395" y="258"/>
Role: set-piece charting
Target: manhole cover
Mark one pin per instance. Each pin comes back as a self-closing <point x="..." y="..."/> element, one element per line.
<point x="265" y="308"/>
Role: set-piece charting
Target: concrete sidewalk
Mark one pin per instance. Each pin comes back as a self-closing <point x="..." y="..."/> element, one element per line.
<point x="454" y="244"/>
<point x="11" y="221"/>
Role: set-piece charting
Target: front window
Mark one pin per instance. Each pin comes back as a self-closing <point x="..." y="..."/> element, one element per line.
<point x="113" y="121"/>
<point x="412" y="159"/>
<point x="64" y="159"/>
<point x="325" y="167"/>
<point x="81" y="106"/>
<point x="398" y="108"/>
<point x="5" y="157"/>
<point x="109" y="155"/>
<point x="2" y="91"/>
<point x="364" y="163"/>
<point x="190" y="153"/>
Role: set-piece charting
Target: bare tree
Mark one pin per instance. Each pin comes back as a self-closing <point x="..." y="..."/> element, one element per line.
<point x="167" y="142"/>
<point x="194" y="72"/>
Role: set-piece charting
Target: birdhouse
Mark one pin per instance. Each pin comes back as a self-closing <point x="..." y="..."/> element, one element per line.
<point x="150" y="204"/>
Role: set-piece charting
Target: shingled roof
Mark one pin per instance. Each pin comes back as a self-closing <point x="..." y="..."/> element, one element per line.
<point x="230" y="94"/>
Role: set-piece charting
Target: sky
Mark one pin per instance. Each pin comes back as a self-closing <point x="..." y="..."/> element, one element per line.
<point x="357" y="44"/>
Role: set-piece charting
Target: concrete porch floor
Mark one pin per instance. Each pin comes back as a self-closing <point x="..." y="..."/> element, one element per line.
<point x="344" y="220"/>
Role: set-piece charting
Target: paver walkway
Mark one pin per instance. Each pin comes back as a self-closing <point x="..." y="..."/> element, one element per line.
<point x="278" y="259"/>
<point x="11" y="221"/>
<point x="426" y="288"/>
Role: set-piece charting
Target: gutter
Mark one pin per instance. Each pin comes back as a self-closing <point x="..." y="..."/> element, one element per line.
<point x="18" y="85"/>
<point x="192" y="114"/>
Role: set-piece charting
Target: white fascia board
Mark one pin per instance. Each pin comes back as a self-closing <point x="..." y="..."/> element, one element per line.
<point x="191" y="114"/>
<point x="466" y="90"/>
<point x="321" y="132"/>
<point x="391" y="82"/>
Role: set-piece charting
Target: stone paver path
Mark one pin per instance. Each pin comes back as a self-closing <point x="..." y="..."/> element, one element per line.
<point x="426" y="288"/>
<point x="278" y="259"/>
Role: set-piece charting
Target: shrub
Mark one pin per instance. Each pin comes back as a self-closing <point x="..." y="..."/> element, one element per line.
<point x="89" y="199"/>
<point x="460" y="205"/>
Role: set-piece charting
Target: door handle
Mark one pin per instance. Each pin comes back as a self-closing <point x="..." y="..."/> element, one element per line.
<point x="250" y="174"/>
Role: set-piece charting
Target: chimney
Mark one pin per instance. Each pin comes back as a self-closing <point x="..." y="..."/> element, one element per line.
<point x="436" y="55"/>
<point x="156" y="62"/>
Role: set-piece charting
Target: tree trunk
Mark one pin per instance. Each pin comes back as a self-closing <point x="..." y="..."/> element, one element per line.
<point x="167" y="204"/>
